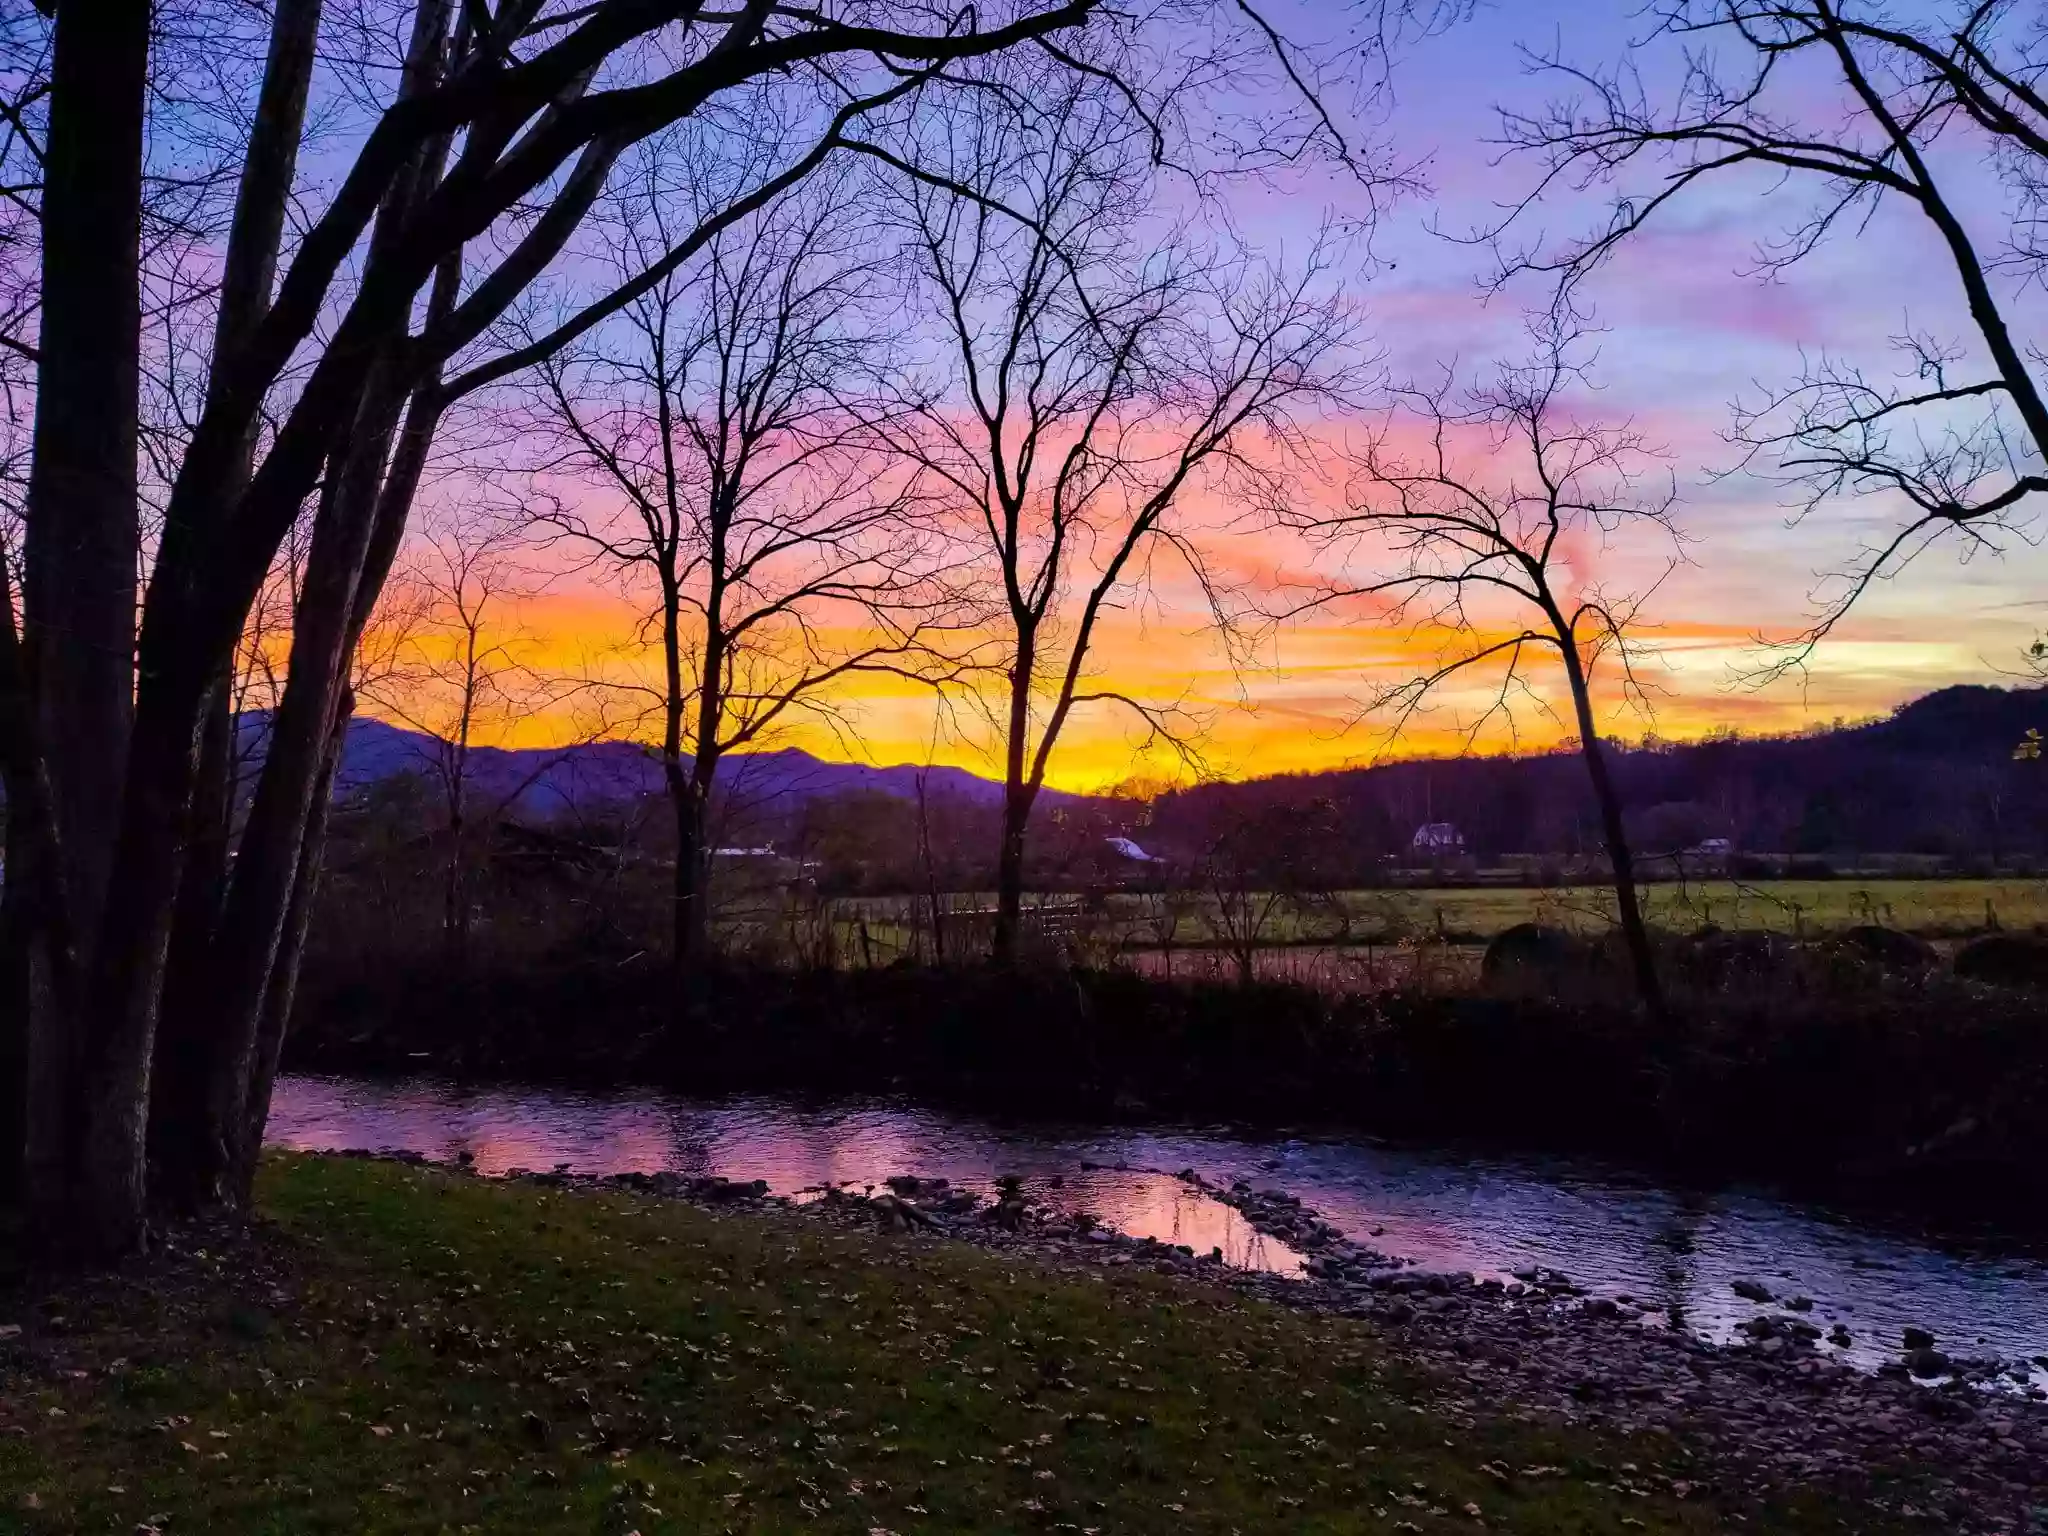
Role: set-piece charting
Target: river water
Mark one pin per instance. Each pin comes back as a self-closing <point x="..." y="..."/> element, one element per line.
<point x="1982" y="1295"/>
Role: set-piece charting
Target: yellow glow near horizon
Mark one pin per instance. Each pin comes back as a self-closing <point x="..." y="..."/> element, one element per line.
<point x="1296" y="711"/>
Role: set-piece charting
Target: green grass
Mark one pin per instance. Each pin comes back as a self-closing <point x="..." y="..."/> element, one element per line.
<point x="1931" y="907"/>
<point x="405" y="1350"/>
<point x="1934" y="908"/>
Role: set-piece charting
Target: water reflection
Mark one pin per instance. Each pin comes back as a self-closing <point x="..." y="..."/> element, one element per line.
<point x="1617" y="1237"/>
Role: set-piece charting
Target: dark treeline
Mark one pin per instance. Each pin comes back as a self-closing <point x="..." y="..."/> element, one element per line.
<point x="1936" y="778"/>
<point x="1935" y="785"/>
<point x="1936" y="781"/>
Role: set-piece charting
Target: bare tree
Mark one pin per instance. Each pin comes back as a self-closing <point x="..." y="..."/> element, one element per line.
<point x="460" y="172"/>
<point x="1104" y="366"/>
<point x="498" y="133"/>
<point x="729" y="424"/>
<point x="1490" y="505"/>
<point x="460" y="668"/>
<point x="1957" y="431"/>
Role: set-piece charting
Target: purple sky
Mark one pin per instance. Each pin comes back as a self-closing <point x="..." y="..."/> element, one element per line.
<point x="1687" y="332"/>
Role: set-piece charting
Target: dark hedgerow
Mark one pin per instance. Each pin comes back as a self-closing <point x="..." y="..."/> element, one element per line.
<point x="1932" y="1089"/>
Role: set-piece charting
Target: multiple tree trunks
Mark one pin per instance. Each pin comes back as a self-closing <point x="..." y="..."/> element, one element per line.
<point x="186" y="1144"/>
<point x="131" y="935"/>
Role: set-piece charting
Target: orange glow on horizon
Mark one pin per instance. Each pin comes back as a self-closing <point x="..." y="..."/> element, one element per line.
<point x="1295" y="705"/>
<point x="1296" y="710"/>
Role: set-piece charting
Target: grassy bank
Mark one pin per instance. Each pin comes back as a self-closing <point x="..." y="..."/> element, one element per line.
<point x="399" y="1349"/>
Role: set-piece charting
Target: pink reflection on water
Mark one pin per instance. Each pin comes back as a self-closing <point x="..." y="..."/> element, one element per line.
<point x="1445" y="1210"/>
<point x="1157" y="1206"/>
<point x="792" y="1150"/>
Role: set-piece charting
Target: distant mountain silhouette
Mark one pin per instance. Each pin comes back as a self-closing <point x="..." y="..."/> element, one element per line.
<point x="541" y="783"/>
<point x="1968" y="719"/>
<point x="1936" y="775"/>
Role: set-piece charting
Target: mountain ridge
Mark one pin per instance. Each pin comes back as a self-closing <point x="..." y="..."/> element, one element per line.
<point x="1897" y="764"/>
<point x="546" y="782"/>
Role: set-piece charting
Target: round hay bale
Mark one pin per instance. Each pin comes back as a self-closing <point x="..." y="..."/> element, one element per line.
<point x="2005" y="960"/>
<point x="1887" y="947"/>
<point x="1532" y="955"/>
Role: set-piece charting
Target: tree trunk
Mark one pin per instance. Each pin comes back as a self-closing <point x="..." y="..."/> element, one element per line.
<point x="273" y="839"/>
<point x="247" y="1145"/>
<point x="1010" y="876"/>
<point x="245" y="1137"/>
<point x="42" y="981"/>
<point x="693" y="872"/>
<point x="127" y="967"/>
<point x="455" y="895"/>
<point x="931" y="874"/>
<point x="691" y="936"/>
<point x="15" y="920"/>
<point x="401" y="484"/>
<point x="82" y="534"/>
<point x="1018" y="796"/>
<point x="345" y="544"/>
<point x="1635" y="934"/>
<point x="179" y="1117"/>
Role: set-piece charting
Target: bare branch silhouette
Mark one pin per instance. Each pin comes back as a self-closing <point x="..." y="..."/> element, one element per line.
<point x="1473" y="502"/>
<point x="1956" y="434"/>
<point x="1105" y="370"/>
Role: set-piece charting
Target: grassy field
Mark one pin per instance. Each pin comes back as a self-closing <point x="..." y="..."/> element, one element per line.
<point x="405" y="1350"/>
<point x="1929" y="907"/>
<point x="1932" y="908"/>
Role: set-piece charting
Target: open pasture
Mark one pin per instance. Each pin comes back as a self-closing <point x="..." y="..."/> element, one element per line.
<point x="1932" y="908"/>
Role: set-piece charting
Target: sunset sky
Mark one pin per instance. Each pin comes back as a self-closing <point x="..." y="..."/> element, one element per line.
<point x="1685" y="333"/>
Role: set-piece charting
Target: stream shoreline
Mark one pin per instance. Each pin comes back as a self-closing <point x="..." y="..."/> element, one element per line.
<point x="1776" y="1410"/>
<point x="1922" y="1097"/>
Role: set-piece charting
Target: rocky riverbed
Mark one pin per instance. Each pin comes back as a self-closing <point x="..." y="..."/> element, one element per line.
<point x="1961" y="1445"/>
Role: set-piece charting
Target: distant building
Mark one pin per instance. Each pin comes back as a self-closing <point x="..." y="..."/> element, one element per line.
<point x="753" y="865"/>
<point x="1124" y="848"/>
<point x="1711" y="854"/>
<point x="1437" y="837"/>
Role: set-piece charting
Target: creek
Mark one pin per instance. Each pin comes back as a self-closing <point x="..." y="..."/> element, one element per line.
<point x="1981" y="1292"/>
